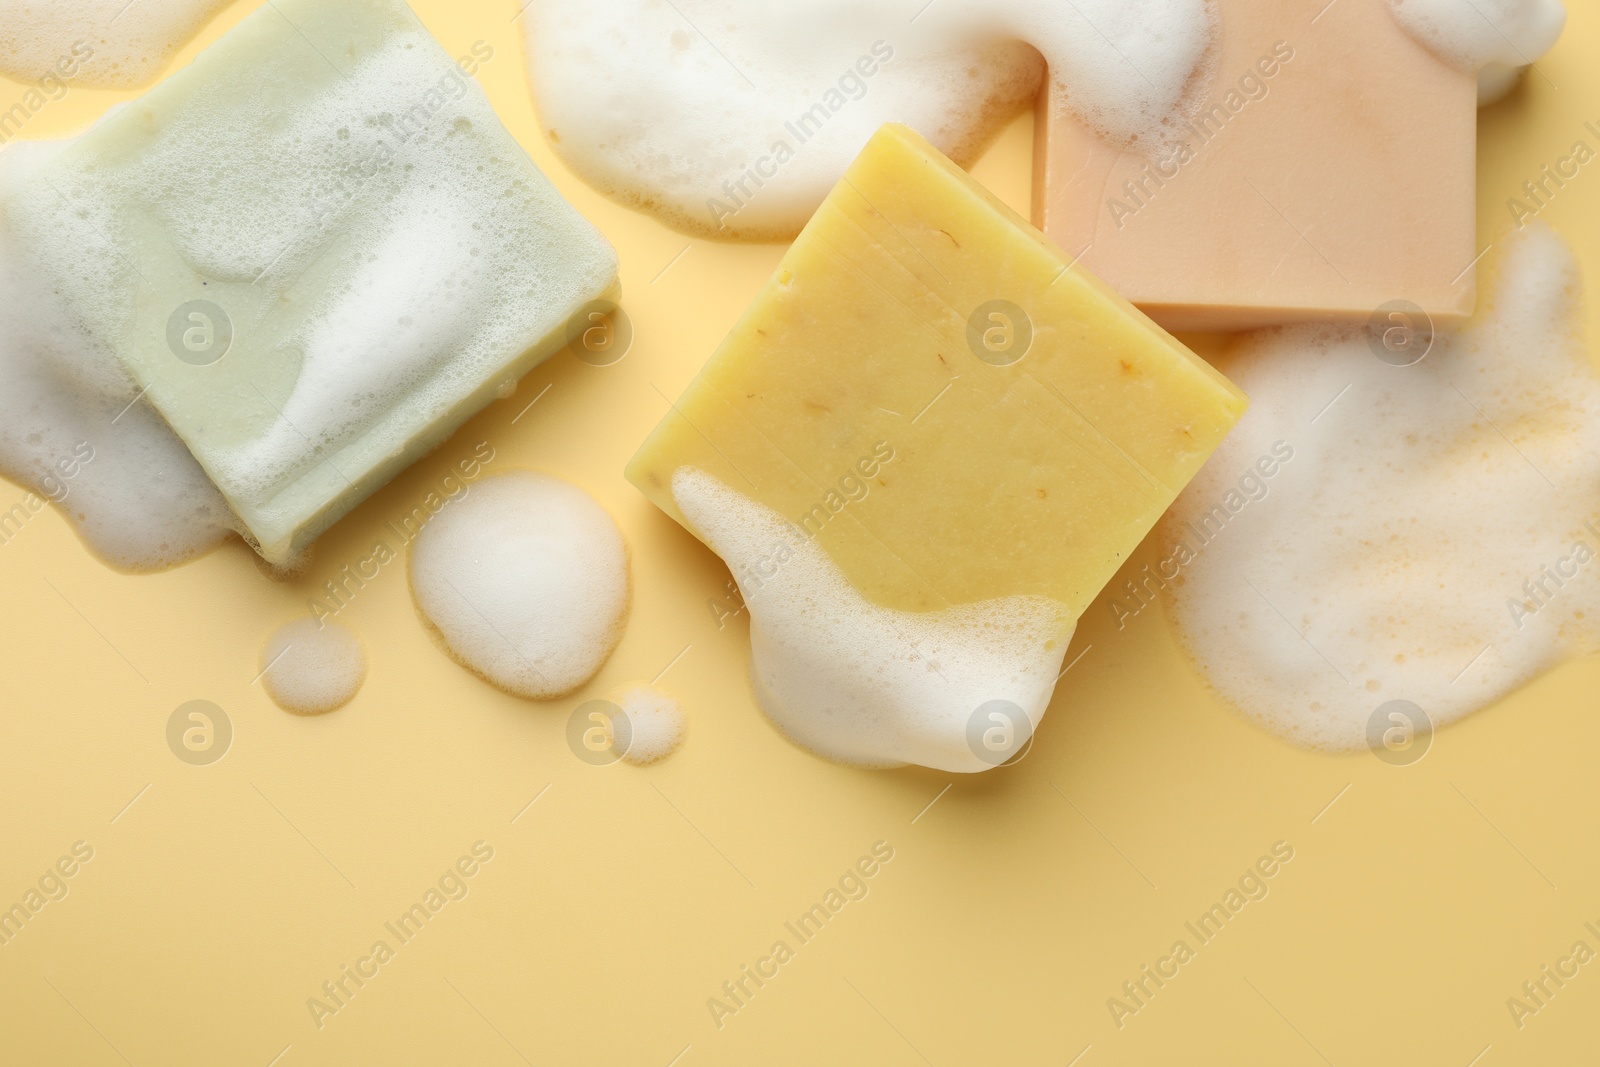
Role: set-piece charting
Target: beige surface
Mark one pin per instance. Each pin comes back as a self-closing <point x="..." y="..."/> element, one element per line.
<point x="1329" y="171"/>
<point x="615" y="906"/>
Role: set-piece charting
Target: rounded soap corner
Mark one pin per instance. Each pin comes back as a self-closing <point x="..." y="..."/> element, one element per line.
<point x="1452" y="317"/>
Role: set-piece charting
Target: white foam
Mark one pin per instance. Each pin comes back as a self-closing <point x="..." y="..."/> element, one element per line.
<point x="105" y="44"/>
<point x="862" y="684"/>
<point x="525" y="580"/>
<point x="139" y="499"/>
<point x="311" y="668"/>
<point x="659" y="104"/>
<point x="1497" y="38"/>
<point x="656" y="724"/>
<point x="1388" y="558"/>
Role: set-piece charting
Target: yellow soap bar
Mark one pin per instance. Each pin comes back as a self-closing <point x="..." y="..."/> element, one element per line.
<point x="946" y="404"/>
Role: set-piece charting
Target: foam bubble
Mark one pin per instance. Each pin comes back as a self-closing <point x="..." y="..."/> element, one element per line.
<point x="656" y="724"/>
<point x="135" y="494"/>
<point x="525" y="580"/>
<point x="863" y="684"/>
<point x="1497" y="38"/>
<point x="104" y="44"/>
<point x="312" y="668"/>
<point x="1405" y="548"/>
<point x="667" y="113"/>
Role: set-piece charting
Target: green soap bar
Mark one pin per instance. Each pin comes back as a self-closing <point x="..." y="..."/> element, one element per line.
<point x="318" y="251"/>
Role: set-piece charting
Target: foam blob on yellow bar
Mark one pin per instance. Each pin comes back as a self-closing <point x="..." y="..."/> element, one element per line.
<point x="936" y="399"/>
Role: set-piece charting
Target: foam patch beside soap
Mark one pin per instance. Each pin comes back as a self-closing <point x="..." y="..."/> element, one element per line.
<point x="739" y="122"/>
<point x="1495" y="38"/>
<point x="1373" y="532"/>
<point x="73" y="429"/>
<point x="525" y="582"/>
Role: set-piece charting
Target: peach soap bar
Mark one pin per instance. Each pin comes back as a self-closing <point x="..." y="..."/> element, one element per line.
<point x="932" y="393"/>
<point x="1329" y="170"/>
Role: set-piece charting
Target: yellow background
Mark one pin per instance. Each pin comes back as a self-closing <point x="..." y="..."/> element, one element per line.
<point x="224" y="896"/>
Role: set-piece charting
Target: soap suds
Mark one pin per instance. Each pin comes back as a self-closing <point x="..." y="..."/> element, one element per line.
<point x="1499" y="39"/>
<point x="863" y="684"/>
<point x="1434" y="537"/>
<point x="656" y="724"/>
<point x="736" y="117"/>
<point x="106" y="44"/>
<point x="525" y="581"/>
<point x="312" y="668"/>
<point x="138" y="498"/>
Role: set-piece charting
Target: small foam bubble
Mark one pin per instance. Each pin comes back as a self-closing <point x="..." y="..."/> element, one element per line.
<point x="312" y="668"/>
<point x="657" y="113"/>
<point x="863" y="684"/>
<point x="525" y="580"/>
<point x="656" y="724"/>
<point x="100" y="44"/>
<point x="1497" y="38"/>
<point x="1417" y="537"/>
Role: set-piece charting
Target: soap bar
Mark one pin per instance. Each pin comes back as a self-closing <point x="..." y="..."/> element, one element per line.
<point x="932" y="394"/>
<point x="1032" y="475"/>
<point x="1328" y="172"/>
<point x="318" y="252"/>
